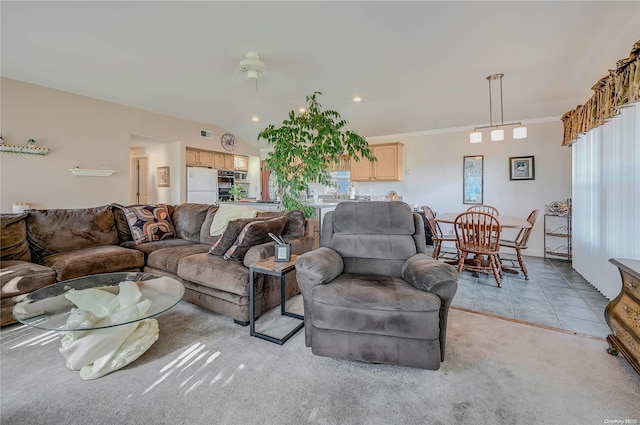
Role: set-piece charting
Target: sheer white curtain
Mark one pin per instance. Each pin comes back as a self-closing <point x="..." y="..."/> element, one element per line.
<point x="606" y="199"/>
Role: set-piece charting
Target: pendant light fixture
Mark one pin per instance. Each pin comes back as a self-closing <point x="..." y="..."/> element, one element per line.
<point x="497" y="132"/>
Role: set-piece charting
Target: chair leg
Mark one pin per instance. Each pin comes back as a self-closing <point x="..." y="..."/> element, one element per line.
<point x="436" y="249"/>
<point x="463" y="256"/>
<point x="522" y="266"/>
<point x="494" y="266"/>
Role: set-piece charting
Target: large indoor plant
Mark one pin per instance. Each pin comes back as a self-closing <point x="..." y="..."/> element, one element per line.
<point x="305" y="146"/>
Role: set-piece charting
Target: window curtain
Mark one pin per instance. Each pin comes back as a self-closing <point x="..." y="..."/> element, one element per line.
<point x="606" y="199"/>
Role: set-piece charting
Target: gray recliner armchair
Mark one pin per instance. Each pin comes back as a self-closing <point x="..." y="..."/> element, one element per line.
<point x="371" y="293"/>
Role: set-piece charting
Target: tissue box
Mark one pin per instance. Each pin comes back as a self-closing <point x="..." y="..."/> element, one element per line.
<point x="283" y="252"/>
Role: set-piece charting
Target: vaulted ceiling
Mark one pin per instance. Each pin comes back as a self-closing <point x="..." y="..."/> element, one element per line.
<point x="418" y="65"/>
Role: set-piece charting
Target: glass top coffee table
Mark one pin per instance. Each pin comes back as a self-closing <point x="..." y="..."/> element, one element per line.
<point x="106" y="318"/>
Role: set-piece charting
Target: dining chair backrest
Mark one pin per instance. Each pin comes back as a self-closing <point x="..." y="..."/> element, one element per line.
<point x="431" y="221"/>
<point x="477" y="232"/>
<point x="485" y="208"/>
<point x="523" y="235"/>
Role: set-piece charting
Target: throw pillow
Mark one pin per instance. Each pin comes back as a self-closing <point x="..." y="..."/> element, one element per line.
<point x="227" y="213"/>
<point x="254" y="233"/>
<point x="187" y="219"/>
<point x="296" y="226"/>
<point x="231" y="233"/>
<point x="149" y="223"/>
<point x="205" y="230"/>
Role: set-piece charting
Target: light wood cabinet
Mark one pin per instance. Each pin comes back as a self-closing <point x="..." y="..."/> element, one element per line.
<point x="228" y="162"/>
<point x="223" y="161"/>
<point x="199" y="158"/>
<point x="388" y="166"/>
<point x="241" y="163"/>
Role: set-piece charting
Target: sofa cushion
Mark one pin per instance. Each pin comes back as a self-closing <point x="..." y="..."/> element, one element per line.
<point x="60" y="230"/>
<point x="254" y="233"/>
<point x="227" y="213"/>
<point x="188" y="219"/>
<point x="214" y="272"/>
<point x="21" y="277"/>
<point x="205" y="230"/>
<point x="296" y="222"/>
<point x="149" y="223"/>
<point x="13" y="238"/>
<point x="167" y="258"/>
<point x="385" y="305"/>
<point x="149" y="247"/>
<point x="94" y="260"/>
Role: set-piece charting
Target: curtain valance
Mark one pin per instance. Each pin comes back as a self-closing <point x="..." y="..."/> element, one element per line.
<point x="620" y="87"/>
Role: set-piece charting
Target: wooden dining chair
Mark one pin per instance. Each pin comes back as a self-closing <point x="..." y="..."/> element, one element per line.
<point x="478" y="233"/>
<point x="485" y="208"/>
<point x="438" y="238"/>
<point x="519" y="243"/>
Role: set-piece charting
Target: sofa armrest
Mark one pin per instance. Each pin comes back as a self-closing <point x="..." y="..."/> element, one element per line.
<point x="265" y="250"/>
<point x="427" y="274"/>
<point x="258" y="253"/>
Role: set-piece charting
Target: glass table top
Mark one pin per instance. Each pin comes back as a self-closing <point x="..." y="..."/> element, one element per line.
<point x="105" y="302"/>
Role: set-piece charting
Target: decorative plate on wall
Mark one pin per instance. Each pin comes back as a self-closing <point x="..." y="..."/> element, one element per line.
<point x="228" y="141"/>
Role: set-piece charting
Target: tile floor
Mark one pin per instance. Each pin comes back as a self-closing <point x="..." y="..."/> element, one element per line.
<point x="555" y="295"/>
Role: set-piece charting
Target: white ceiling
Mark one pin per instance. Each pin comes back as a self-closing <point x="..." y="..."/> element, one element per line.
<point x="418" y="65"/>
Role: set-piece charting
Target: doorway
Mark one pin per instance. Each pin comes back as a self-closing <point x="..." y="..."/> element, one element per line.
<point x="140" y="180"/>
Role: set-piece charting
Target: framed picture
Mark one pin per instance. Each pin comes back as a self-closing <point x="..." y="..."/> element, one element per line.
<point x="472" y="169"/>
<point x="522" y="168"/>
<point x="163" y="177"/>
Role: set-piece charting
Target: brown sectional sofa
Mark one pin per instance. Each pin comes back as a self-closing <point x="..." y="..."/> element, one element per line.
<point x="42" y="247"/>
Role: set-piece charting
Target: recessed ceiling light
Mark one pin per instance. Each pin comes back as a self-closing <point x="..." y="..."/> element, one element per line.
<point x="357" y="99"/>
<point x="255" y="119"/>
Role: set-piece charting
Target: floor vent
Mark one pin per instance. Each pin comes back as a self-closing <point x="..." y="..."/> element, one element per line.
<point x="207" y="134"/>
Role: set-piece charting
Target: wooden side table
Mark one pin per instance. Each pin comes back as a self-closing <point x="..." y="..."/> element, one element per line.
<point x="270" y="266"/>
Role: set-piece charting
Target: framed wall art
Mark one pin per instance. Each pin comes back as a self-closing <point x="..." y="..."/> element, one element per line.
<point x="472" y="169"/>
<point x="522" y="168"/>
<point x="163" y="177"/>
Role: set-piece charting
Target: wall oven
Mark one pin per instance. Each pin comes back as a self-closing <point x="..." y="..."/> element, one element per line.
<point x="225" y="181"/>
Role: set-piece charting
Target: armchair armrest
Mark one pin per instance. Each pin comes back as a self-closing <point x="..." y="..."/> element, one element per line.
<point x="318" y="267"/>
<point x="427" y="274"/>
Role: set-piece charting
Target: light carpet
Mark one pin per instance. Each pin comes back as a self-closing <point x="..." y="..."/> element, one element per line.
<point x="205" y="369"/>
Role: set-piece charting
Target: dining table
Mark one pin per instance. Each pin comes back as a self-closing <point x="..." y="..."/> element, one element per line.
<point x="506" y="222"/>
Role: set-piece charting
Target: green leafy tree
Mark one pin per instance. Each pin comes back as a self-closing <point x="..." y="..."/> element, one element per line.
<point x="305" y="146"/>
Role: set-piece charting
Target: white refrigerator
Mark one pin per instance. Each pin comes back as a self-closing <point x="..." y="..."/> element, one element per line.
<point x="202" y="185"/>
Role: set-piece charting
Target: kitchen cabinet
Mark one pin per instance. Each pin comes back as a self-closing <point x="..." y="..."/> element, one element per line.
<point x="241" y="163"/>
<point x="199" y="158"/>
<point x="388" y="166"/>
<point x="223" y="161"/>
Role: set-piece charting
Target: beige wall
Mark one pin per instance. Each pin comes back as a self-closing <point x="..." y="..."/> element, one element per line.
<point x="91" y="134"/>
<point x="433" y="172"/>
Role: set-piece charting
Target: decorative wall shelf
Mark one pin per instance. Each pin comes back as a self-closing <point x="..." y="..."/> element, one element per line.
<point x="23" y="150"/>
<point x="86" y="172"/>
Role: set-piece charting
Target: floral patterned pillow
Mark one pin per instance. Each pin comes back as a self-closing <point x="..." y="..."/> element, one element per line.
<point x="149" y="223"/>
